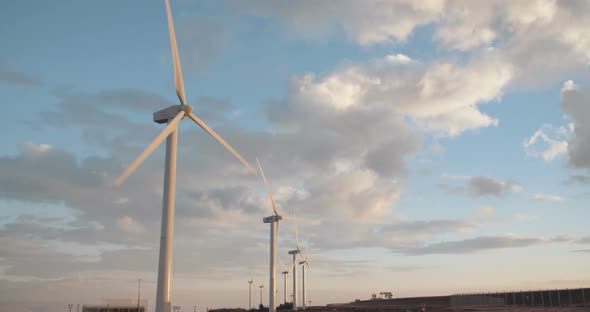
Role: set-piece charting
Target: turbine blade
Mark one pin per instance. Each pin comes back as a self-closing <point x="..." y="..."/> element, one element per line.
<point x="307" y="248"/>
<point x="178" y="81"/>
<point x="172" y="125"/>
<point x="290" y="218"/>
<point x="272" y="201"/>
<point x="283" y="264"/>
<point x="296" y="237"/>
<point x="221" y="140"/>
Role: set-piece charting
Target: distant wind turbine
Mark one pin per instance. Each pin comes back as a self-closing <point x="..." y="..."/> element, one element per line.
<point x="274" y="228"/>
<point x="295" y="252"/>
<point x="285" y="278"/>
<point x="171" y="115"/>
<point x="303" y="264"/>
<point x="250" y="294"/>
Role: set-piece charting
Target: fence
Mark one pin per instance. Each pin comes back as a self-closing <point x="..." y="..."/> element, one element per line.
<point x="532" y="298"/>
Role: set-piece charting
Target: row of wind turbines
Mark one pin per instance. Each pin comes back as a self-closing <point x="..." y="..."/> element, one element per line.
<point x="274" y="232"/>
<point x="172" y="115"/>
<point x="286" y="270"/>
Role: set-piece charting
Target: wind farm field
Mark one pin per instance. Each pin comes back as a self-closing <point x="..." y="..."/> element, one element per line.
<point x="305" y="156"/>
<point x="458" y="303"/>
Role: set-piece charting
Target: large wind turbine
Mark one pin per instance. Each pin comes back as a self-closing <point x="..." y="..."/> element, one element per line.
<point x="304" y="263"/>
<point x="295" y="252"/>
<point x="171" y="115"/>
<point x="274" y="227"/>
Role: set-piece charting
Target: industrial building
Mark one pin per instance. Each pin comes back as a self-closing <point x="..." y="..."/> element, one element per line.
<point x="117" y="305"/>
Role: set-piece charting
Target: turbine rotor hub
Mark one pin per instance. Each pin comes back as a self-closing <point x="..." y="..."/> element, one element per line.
<point x="187" y="109"/>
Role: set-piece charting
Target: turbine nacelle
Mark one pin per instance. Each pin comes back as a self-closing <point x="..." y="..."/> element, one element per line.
<point x="277" y="218"/>
<point x="163" y="115"/>
<point x="271" y="219"/>
<point x="295" y="252"/>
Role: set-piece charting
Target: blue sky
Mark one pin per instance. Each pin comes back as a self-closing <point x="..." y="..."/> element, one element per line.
<point x="421" y="142"/>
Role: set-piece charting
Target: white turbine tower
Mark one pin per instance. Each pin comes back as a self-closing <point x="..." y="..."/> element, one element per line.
<point x="285" y="278"/>
<point x="250" y="294"/>
<point x="295" y="252"/>
<point x="274" y="228"/>
<point x="303" y="264"/>
<point x="171" y="115"/>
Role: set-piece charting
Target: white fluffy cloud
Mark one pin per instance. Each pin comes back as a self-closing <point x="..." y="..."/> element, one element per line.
<point x="542" y="40"/>
<point x="548" y="142"/>
<point x="441" y="97"/>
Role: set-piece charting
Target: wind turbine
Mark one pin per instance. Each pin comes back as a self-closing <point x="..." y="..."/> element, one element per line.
<point x="295" y="252"/>
<point x="274" y="228"/>
<point x="303" y="264"/>
<point x="285" y="277"/>
<point x="171" y="115"/>
<point x="250" y="294"/>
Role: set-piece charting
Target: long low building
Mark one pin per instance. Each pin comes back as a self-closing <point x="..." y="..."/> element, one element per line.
<point x="116" y="305"/>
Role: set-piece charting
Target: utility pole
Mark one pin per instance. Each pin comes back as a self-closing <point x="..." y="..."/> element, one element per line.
<point x="250" y="294"/>
<point x="261" y="287"/>
<point x="138" y="293"/>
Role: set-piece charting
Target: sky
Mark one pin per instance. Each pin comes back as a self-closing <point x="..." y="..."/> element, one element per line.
<point x="432" y="147"/>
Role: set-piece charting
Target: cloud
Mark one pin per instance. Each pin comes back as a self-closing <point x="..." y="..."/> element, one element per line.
<point x="399" y="58"/>
<point x="546" y="197"/>
<point x="577" y="179"/>
<point x="574" y="102"/>
<point x="483" y="186"/>
<point x="485" y="211"/>
<point x="548" y="142"/>
<point x="460" y="30"/>
<point x="395" y="236"/>
<point x="477" y="244"/>
<point x="204" y="41"/>
<point x="441" y="97"/>
<point x="405" y="268"/>
<point x="128" y="225"/>
<point x="367" y="23"/>
<point x="542" y="41"/>
<point x="18" y="78"/>
<point x="521" y="217"/>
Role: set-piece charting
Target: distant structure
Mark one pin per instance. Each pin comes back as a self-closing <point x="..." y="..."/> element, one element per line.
<point x="274" y="229"/>
<point x="116" y="305"/>
<point x="250" y="294"/>
<point x="295" y="253"/>
<point x="386" y="294"/>
<point x="303" y="264"/>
